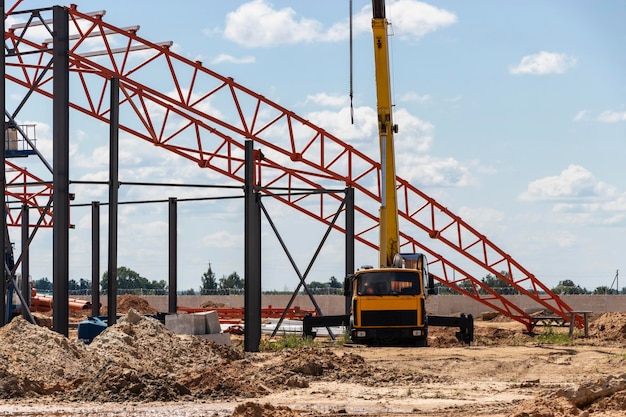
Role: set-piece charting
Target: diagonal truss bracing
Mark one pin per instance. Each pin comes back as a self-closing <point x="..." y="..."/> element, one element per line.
<point x="181" y="106"/>
<point x="25" y="188"/>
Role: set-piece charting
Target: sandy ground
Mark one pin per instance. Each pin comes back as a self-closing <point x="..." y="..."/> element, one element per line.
<point x="139" y="368"/>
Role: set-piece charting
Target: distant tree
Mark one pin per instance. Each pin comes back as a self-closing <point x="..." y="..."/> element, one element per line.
<point x="567" y="286"/>
<point x="190" y="291"/>
<point x="334" y="283"/>
<point x="604" y="290"/>
<point x="43" y="284"/>
<point x="498" y="285"/>
<point x="231" y="281"/>
<point x="129" y="279"/>
<point x="208" y="281"/>
<point x="317" y="284"/>
<point x="82" y="284"/>
<point x="441" y="289"/>
<point x="465" y="284"/>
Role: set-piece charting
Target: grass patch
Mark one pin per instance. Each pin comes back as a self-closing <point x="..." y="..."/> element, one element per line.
<point x="554" y="338"/>
<point x="286" y="342"/>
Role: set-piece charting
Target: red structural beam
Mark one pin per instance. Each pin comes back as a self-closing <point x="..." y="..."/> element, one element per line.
<point x="26" y="188"/>
<point x="185" y="108"/>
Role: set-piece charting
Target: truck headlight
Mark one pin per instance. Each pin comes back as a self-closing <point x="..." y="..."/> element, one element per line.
<point x="417" y="332"/>
<point x="360" y="333"/>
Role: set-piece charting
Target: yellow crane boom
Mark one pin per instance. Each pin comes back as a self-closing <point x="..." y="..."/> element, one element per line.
<point x="388" y="214"/>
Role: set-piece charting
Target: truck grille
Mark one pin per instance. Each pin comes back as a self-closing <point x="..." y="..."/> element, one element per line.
<point x="389" y="318"/>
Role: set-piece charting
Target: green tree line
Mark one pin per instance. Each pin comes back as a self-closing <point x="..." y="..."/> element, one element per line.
<point x="128" y="279"/>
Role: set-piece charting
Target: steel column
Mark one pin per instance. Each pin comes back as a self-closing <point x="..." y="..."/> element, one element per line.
<point x="173" y="257"/>
<point x="114" y="185"/>
<point x="349" y="199"/>
<point x="60" y="170"/>
<point x="3" y="213"/>
<point x="25" y="285"/>
<point x="95" y="258"/>
<point x="252" y="268"/>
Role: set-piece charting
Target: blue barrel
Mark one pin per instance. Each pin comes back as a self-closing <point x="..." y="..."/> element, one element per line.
<point x="90" y="328"/>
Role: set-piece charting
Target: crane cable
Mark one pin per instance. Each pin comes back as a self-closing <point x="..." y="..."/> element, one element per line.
<point x="351" y="84"/>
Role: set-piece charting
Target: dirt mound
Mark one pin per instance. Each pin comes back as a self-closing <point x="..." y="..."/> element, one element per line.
<point x="606" y="394"/>
<point x="212" y="304"/>
<point x="616" y="402"/>
<point x="136" y="359"/>
<point x="251" y="409"/>
<point x="140" y="305"/>
<point x="298" y="367"/>
<point x="35" y="360"/>
<point x="142" y="360"/>
<point x="609" y="326"/>
<point x="546" y="407"/>
<point x="441" y="337"/>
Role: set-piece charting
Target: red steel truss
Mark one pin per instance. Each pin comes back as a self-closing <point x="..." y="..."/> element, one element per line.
<point x="26" y="188"/>
<point x="181" y="106"/>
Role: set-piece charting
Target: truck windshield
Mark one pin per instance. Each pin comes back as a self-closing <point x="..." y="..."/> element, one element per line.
<point x="388" y="283"/>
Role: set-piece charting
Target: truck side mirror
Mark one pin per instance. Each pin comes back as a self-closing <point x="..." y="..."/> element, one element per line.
<point x="347" y="285"/>
<point x="431" y="284"/>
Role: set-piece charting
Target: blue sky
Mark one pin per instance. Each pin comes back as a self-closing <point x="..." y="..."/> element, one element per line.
<point x="511" y="114"/>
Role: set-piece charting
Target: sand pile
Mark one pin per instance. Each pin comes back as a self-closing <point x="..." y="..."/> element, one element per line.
<point x="603" y="395"/>
<point x="138" y="359"/>
<point x="250" y="409"/>
<point x="609" y="326"/>
<point x="35" y="360"/>
<point x="140" y="305"/>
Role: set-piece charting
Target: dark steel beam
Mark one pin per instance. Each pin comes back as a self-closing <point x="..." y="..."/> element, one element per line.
<point x="173" y="257"/>
<point x="349" y="199"/>
<point x="252" y="268"/>
<point x="3" y="213"/>
<point x="60" y="170"/>
<point x="95" y="258"/>
<point x="25" y="284"/>
<point x="114" y="185"/>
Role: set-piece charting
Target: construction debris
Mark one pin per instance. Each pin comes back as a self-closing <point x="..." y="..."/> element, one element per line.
<point x="139" y="360"/>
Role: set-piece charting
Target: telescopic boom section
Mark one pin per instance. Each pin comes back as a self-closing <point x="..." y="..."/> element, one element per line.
<point x="389" y="233"/>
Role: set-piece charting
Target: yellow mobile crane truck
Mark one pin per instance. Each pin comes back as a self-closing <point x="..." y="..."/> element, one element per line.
<point x="387" y="303"/>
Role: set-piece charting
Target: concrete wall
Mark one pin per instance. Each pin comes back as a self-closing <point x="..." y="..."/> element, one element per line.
<point x="436" y="305"/>
<point x="454" y="304"/>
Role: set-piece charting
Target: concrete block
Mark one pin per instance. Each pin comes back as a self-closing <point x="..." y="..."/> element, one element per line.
<point x="219" y="338"/>
<point x="212" y="321"/>
<point x="186" y="324"/>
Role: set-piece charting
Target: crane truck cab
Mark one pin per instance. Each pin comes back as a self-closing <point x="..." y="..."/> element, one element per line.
<point x="388" y="304"/>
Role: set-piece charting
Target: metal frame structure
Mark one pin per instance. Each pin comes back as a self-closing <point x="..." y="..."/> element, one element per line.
<point x="297" y="153"/>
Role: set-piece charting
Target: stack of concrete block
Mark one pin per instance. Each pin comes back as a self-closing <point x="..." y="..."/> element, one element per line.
<point x="205" y="325"/>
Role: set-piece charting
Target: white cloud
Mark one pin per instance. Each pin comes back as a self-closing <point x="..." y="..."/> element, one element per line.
<point x="581" y="115"/>
<point x="258" y="24"/>
<point x="610" y="116"/>
<point x="544" y="63"/>
<point x="414" y="19"/>
<point x="432" y="172"/>
<point x="579" y="198"/>
<point x="338" y="123"/>
<point x="484" y="218"/>
<point x="325" y="99"/>
<point x="414" y="139"/>
<point x="414" y="134"/>
<point x="413" y="97"/>
<point x="221" y="58"/>
<point x="223" y="239"/>
<point x="574" y="182"/>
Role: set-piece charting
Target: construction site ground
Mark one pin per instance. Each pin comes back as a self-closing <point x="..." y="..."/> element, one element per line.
<point x="139" y="368"/>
